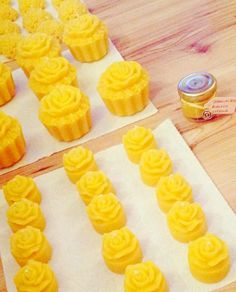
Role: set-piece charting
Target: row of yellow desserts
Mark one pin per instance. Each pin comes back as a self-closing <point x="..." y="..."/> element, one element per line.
<point x="29" y="246"/>
<point x="208" y="255"/>
<point x="121" y="249"/>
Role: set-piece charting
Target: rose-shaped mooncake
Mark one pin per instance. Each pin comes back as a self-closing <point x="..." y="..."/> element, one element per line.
<point x="87" y="38"/>
<point x="50" y="72"/>
<point x="21" y="187"/>
<point x="33" y="47"/>
<point x="121" y="248"/>
<point x="186" y="221"/>
<point x="154" y="164"/>
<point x="8" y="44"/>
<point x="77" y="162"/>
<point x="7" y="12"/>
<point x="106" y="213"/>
<point x="144" y="277"/>
<point x="51" y="27"/>
<point x="124" y="88"/>
<point x="25" y="5"/>
<point x="136" y="141"/>
<point x="7" y="26"/>
<point x="25" y="213"/>
<point x="208" y="258"/>
<point x="65" y="112"/>
<point x="93" y="183"/>
<point x="36" y="277"/>
<point x="33" y="17"/>
<point x="7" y="86"/>
<point x="71" y="9"/>
<point x="30" y="243"/>
<point x="171" y="189"/>
<point x="12" y="142"/>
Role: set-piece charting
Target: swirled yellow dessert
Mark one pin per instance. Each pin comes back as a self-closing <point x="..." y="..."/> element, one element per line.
<point x="144" y="277"/>
<point x="124" y="88"/>
<point x="71" y="9"/>
<point x="106" y="213"/>
<point x="171" y="189"/>
<point x="77" y="162"/>
<point x="136" y="141"/>
<point x="121" y="248"/>
<point x="50" y="72"/>
<point x="93" y="183"/>
<point x="51" y="27"/>
<point x="21" y="187"/>
<point x="33" y="17"/>
<point x="7" y="26"/>
<point x="25" y="213"/>
<point x="208" y="258"/>
<point x="12" y="142"/>
<point x="30" y="243"/>
<point x="7" y="85"/>
<point x="36" y="277"/>
<point x="8" y="44"/>
<point x="25" y="5"/>
<point x="7" y="12"/>
<point x="87" y="38"/>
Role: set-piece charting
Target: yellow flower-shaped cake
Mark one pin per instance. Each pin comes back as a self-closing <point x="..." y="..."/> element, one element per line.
<point x="77" y="162"/>
<point x="8" y="44"/>
<point x="21" y="187"/>
<point x="87" y="38"/>
<point x="124" y="88"/>
<point x="144" y="277"/>
<point x="93" y="183"/>
<point x="121" y="248"/>
<point x="12" y="142"/>
<point x="106" y="213"/>
<point x="30" y="244"/>
<point x="51" y="27"/>
<point x="25" y="213"/>
<point x="33" y="17"/>
<point x="136" y="141"/>
<point x="186" y="221"/>
<point x="7" y="86"/>
<point x="71" y="9"/>
<point x="208" y="258"/>
<point x="171" y="189"/>
<point x="25" y="5"/>
<point x="36" y="277"/>
<point x="7" y="26"/>
<point x="7" y="12"/>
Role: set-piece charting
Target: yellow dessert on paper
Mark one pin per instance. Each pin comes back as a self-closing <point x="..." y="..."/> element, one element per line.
<point x="124" y="88"/>
<point x="30" y="244"/>
<point x="144" y="277"/>
<point x="121" y="248"/>
<point x="8" y="44"/>
<point x="7" y="26"/>
<point x="7" y="86"/>
<point x="87" y="38"/>
<point x="51" y="27"/>
<point x="171" y="189"/>
<point x="50" y="72"/>
<point x="25" y="5"/>
<point x="186" y="221"/>
<point x="36" y="277"/>
<point x="12" y="142"/>
<point x="208" y="258"/>
<point x="154" y="164"/>
<point x="77" y="162"/>
<point x="93" y="183"/>
<point x="136" y="141"/>
<point x="8" y="13"/>
<point x="25" y="213"/>
<point x="21" y="187"/>
<point x="106" y="213"/>
<point x="71" y="9"/>
<point x="33" y="17"/>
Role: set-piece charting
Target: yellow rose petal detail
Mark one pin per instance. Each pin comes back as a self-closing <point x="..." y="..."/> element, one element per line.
<point x="33" y="17"/>
<point x="7" y="26"/>
<point x="51" y="27"/>
<point x="8" y="13"/>
<point x="8" y="44"/>
<point x="71" y="9"/>
<point x="25" y="5"/>
<point x="7" y="85"/>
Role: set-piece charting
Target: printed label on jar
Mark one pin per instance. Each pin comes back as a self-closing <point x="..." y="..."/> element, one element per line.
<point x="221" y="105"/>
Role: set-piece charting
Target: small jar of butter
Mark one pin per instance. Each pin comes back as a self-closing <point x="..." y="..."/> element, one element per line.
<point x="195" y="90"/>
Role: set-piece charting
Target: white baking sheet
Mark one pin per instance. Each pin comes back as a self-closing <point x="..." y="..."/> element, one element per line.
<point x="77" y="258"/>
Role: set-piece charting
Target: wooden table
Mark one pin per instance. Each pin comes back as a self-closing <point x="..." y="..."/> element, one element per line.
<point x="171" y="39"/>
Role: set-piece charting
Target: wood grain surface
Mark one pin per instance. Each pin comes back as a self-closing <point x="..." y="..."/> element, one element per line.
<point x="171" y="39"/>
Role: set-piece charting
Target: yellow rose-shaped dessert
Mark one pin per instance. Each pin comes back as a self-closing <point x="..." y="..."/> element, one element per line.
<point x="154" y="164"/>
<point x="124" y="88"/>
<point x="25" y="213"/>
<point x="7" y="26"/>
<point x="8" y="44"/>
<point x="144" y="277"/>
<point x="87" y="38"/>
<point x="7" y="12"/>
<point x="121" y="248"/>
<point x="51" y="27"/>
<point x="208" y="258"/>
<point x="33" y="47"/>
<point x="12" y="142"/>
<point x="106" y="213"/>
<point x="50" y="72"/>
<point x="33" y="17"/>
<point x="30" y="243"/>
<point x="36" y="277"/>
<point x="136" y="141"/>
<point x="93" y="183"/>
<point x="186" y="221"/>
<point x="77" y="162"/>
<point x="25" y="5"/>
<point x="65" y="112"/>
<point x="7" y="86"/>
<point x="71" y="9"/>
<point x="21" y="187"/>
<point x="171" y="189"/>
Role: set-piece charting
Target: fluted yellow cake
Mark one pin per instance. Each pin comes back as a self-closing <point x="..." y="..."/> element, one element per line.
<point x="124" y="88"/>
<point x="51" y="27"/>
<point x="87" y="38"/>
<point x="8" y="44"/>
<point x="33" y="17"/>
<point x="7" y="12"/>
<point x="7" y="26"/>
<point x="71" y="9"/>
<point x="77" y="162"/>
<point x="7" y="85"/>
<point x="25" y="5"/>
